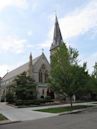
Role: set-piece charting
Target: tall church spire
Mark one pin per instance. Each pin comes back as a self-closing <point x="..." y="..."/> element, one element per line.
<point x="57" y="38"/>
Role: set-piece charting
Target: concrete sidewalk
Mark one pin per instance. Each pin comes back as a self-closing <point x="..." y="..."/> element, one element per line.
<point x="62" y="105"/>
<point x="23" y="114"/>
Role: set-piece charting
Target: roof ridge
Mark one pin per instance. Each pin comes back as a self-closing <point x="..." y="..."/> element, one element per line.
<point x="20" y="66"/>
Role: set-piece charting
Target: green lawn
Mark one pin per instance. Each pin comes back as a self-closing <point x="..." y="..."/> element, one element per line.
<point x="62" y="109"/>
<point x="95" y="103"/>
<point x="2" y="117"/>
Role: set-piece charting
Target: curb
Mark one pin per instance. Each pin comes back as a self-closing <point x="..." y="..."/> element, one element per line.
<point x="77" y="111"/>
<point x="72" y="112"/>
<point x="8" y="122"/>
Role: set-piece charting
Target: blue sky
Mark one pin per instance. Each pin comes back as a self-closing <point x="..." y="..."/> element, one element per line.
<point x="27" y="26"/>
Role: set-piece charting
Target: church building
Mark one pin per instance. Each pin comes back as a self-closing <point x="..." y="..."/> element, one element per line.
<point x="38" y="68"/>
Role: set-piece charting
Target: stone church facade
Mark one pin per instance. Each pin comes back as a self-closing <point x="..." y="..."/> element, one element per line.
<point x="38" y="68"/>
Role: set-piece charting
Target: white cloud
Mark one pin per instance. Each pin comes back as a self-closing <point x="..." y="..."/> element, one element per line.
<point x="17" y="3"/>
<point x="90" y="59"/>
<point x="34" y="5"/>
<point x="29" y="33"/>
<point x="80" y="21"/>
<point x="46" y="44"/>
<point x="12" y="44"/>
<point x="4" y="68"/>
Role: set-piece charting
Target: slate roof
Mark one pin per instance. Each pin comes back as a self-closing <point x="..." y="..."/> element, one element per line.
<point x="19" y="70"/>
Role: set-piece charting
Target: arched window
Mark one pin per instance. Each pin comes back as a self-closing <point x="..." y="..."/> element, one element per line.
<point x="43" y="74"/>
<point x="46" y="76"/>
<point x="43" y="92"/>
<point x="40" y="76"/>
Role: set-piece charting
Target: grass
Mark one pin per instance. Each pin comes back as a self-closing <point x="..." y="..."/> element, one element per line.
<point x="94" y="103"/>
<point x="62" y="109"/>
<point x="2" y="117"/>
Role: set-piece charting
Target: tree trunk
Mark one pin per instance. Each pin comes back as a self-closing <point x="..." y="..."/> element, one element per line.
<point x="71" y="104"/>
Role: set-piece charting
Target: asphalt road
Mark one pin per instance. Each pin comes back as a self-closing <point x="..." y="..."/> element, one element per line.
<point x="83" y="120"/>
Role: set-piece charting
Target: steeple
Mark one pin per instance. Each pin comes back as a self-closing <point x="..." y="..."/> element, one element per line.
<point x="57" y="38"/>
<point x="30" y="65"/>
<point x="30" y="57"/>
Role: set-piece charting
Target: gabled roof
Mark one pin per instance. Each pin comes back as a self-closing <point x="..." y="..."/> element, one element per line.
<point x="20" y="69"/>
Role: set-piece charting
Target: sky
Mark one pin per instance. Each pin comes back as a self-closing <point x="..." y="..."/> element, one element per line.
<point x="26" y="26"/>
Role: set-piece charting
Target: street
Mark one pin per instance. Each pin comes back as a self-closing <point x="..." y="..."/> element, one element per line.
<point x="83" y="120"/>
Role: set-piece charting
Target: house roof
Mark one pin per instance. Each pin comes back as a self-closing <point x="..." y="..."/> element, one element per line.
<point x="19" y="70"/>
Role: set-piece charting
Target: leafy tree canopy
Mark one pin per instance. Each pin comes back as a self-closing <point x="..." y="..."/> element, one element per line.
<point x="23" y="87"/>
<point x="67" y="76"/>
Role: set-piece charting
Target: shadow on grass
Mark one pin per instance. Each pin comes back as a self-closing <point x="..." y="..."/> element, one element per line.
<point x="63" y="109"/>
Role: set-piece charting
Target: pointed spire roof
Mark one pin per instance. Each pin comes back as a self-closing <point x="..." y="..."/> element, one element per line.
<point x="30" y="59"/>
<point x="57" y="38"/>
<point x="30" y="56"/>
<point x="57" y="32"/>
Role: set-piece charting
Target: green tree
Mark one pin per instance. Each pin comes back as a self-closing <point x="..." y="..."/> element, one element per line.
<point x="93" y="81"/>
<point x="95" y="70"/>
<point x="25" y="87"/>
<point x="67" y="77"/>
<point x="10" y="92"/>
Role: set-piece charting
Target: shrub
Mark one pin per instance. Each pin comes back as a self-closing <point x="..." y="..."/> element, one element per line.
<point x="32" y="102"/>
<point x="48" y="99"/>
<point x="2" y="98"/>
<point x="18" y="102"/>
<point x="9" y="98"/>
